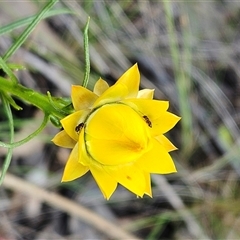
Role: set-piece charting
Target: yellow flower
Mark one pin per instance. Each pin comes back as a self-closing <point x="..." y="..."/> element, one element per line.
<point x="116" y="133"/>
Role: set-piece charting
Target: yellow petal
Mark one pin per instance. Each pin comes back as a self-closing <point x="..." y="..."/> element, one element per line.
<point x="73" y="168"/>
<point x="157" y="160"/>
<point x="70" y="123"/>
<point x="112" y="152"/>
<point x="115" y="93"/>
<point x="150" y="108"/>
<point x="163" y="123"/>
<point x="166" y="143"/>
<point x="126" y="87"/>
<point x="156" y="112"/>
<point x="116" y="134"/>
<point x="131" y="79"/>
<point x="114" y="122"/>
<point x="106" y="183"/>
<point x="62" y="139"/>
<point x="129" y="176"/>
<point x="82" y="98"/>
<point x="148" y="188"/>
<point x="100" y="87"/>
<point x="146" y="93"/>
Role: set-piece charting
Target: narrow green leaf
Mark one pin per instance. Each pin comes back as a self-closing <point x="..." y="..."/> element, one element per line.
<point x="25" y="21"/>
<point x="86" y="54"/>
<point x="10" y="100"/>
<point x="21" y="39"/>
<point x="56" y="104"/>
<point x="182" y="79"/>
<point x="16" y="67"/>
<point x="7" y="70"/>
<point x="8" y="158"/>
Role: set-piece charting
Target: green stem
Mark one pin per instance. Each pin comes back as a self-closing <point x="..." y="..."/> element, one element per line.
<point x="86" y="53"/>
<point x="8" y="158"/>
<point x="29" y="137"/>
<point x="26" y="94"/>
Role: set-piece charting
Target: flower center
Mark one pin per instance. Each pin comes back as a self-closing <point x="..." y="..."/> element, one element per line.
<point x="116" y="134"/>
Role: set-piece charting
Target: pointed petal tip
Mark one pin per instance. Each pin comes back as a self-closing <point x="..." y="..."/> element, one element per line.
<point x="82" y="98"/>
<point x="172" y="171"/>
<point x="179" y="118"/>
<point x="63" y="180"/>
<point x="62" y="139"/>
<point x="149" y="194"/>
<point x="75" y="88"/>
<point x="107" y="197"/>
<point x="146" y="93"/>
<point x="134" y="67"/>
<point x="105" y="182"/>
<point x="100" y="87"/>
<point x="131" y="79"/>
<point x="70" y="176"/>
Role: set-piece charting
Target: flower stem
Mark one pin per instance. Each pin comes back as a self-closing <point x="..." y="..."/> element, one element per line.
<point x="26" y="94"/>
<point x="28" y="138"/>
<point x="86" y="53"/>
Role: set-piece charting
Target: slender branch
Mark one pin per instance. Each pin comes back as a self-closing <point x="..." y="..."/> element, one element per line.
<point x="28" y="138"/>
<point x="26" y="94"/>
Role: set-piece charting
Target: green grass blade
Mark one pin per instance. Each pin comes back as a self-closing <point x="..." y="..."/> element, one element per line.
<point x="8" y="158"/>
<point x="21" y="39"/>
<point x="182" y="80"/>
<point x="25" y="21"/>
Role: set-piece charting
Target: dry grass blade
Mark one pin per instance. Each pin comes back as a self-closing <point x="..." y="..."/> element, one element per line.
<point x="114" y="232"/>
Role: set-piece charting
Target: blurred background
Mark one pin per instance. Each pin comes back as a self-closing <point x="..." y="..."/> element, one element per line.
<point x="189" y="52"/>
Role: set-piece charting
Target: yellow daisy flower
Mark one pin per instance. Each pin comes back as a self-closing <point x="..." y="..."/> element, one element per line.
<point x="116" y="133"/>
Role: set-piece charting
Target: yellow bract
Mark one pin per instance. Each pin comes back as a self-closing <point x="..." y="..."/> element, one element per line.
<point x="116" y="133"/>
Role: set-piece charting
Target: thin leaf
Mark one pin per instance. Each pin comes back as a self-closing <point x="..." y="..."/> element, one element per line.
<point x="25" y="21"/>
<point x="15" y="66"/>
<point x="182" y="80"/>
<point x="21" y="39"/>
<point x="8" y="71"/>
<point x="11" y="101"/>
<point x="8" y="158"/>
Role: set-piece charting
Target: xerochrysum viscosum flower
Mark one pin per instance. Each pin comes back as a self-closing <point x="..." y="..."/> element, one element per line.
<point x="117" y="133"/>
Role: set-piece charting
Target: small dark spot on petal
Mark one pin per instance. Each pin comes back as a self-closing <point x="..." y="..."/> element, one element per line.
<point x="129" y="178"/>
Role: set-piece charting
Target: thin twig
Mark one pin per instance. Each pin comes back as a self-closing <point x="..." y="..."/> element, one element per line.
<point x="55" y="200"/>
